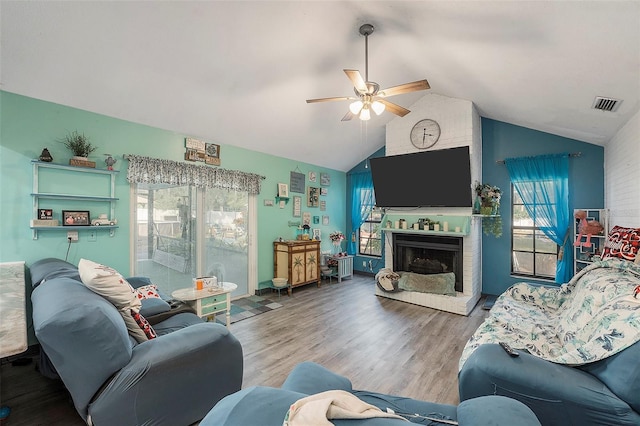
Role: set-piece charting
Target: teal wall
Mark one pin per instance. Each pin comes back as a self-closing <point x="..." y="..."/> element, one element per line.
<point x="501" y="140"/>
<point x="28" y="125"/>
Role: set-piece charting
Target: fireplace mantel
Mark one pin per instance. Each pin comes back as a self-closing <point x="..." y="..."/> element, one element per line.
<point x="462" y="222"/>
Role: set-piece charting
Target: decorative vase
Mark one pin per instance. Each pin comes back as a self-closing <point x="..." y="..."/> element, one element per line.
<point x="476" y="205"/>
<point x="486" y="210"/>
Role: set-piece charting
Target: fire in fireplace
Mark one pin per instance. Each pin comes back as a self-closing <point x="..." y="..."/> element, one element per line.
<point x="428" y="254"/>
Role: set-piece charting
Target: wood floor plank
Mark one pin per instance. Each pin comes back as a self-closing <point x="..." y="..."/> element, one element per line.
<point x="382" y="345"/>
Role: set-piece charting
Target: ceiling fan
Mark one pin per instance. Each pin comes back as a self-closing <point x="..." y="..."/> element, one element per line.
<point x="368" y="94"/>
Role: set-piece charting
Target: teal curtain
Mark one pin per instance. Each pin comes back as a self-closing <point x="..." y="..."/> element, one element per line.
<point x="543" y="184"/>
<point x="362" y="201"/>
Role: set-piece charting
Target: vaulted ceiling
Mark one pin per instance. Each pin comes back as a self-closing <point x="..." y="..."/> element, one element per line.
<point x="239" y="72"/>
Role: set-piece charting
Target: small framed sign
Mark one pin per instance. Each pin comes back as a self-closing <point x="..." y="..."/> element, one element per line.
<point x="296" y="182"/>
<point x="297" y="206"/>
<point x="45" y="214"/>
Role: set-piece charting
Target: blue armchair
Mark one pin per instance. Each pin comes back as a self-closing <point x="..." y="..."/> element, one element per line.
<point x="173" y="379"/>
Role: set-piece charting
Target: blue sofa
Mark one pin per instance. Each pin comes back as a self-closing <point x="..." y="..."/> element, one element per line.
<point x="174" y="379"/>
<point x="265" y="406"/>
<point x="579" y="346"/>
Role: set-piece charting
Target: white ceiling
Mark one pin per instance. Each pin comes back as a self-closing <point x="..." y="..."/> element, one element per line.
<point x="238" y="72"/>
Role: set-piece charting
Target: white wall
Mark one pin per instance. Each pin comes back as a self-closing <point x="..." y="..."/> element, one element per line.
<point x="622" y="175"/>
<point x="460" y="125"/>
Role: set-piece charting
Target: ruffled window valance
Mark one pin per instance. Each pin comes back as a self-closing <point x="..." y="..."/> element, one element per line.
<point x="156" y="171"/>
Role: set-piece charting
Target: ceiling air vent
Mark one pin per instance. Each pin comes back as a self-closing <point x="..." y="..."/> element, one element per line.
<point x="606" y="104"/>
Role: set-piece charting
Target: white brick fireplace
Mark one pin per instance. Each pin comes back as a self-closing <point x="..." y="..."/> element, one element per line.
<point x="460" y="125"/>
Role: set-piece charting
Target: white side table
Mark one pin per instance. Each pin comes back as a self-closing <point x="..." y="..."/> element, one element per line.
<point x="208" y="301"/>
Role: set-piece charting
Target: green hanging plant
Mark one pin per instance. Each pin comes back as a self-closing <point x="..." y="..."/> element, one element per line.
<point x="492" y="225"/>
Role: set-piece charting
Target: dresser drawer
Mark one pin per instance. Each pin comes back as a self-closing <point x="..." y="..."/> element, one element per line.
<point x="212" y="300"/>
<point x="212" y="304"/>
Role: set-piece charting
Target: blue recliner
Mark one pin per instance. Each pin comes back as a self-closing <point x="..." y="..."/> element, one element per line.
<point x="605" y="392"/>
<point x="173" y="379"/>
<point x="265" y="406"/>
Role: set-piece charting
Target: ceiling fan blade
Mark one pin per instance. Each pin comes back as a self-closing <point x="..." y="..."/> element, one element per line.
<point x="341" y="98"/>
<point x="357" y="80"/>
<point x="405" y="88"/>
<point x="394" y="108"/>
<point x="348" y="116"/>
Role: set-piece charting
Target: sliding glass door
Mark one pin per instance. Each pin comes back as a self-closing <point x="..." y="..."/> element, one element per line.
<point x="182" y="232"/>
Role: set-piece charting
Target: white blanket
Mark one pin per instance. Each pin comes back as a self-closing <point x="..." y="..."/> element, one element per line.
<point x="315" y="410"/>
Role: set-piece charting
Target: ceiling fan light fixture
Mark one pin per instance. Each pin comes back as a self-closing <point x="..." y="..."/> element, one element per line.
<point x="365" y="114"/>
<point x="378" y="107"/>
<point x="356" y="107"/>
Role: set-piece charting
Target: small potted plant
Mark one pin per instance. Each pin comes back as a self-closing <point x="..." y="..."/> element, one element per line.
<point x="78" y="144"/>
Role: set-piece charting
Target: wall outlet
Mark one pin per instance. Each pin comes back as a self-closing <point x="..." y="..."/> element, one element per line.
<point x="72" y="236"/>
<point x="93" y="236"/>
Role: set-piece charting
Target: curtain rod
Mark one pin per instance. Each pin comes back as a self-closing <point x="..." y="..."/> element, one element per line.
<point x="573" y="154"/>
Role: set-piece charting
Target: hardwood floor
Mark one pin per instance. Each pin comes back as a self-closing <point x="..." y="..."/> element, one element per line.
<point x="382" y="345"/>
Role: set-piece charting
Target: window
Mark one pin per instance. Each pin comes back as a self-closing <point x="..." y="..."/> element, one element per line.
<point x="533" y="254"/>
<point x="369" y="235"/>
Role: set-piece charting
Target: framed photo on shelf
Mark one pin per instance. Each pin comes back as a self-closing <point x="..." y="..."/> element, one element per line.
<point x="75" y="218"/>
<point x="45" y="214"/>
<point x="283" y="190"/>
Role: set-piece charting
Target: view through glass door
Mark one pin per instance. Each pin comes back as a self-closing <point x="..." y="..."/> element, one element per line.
<point x="182" y="233"/>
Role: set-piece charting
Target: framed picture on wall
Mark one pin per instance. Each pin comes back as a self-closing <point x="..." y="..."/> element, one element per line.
<point x="325" y="179"/>
<point x="313" y="195"/>
<point x="325" y="220"/>
<point x="297" y="206"/>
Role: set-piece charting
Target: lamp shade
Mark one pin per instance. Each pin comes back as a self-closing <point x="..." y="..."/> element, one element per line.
<point x="355" y="107"/>
<point x="378" y="107"/>
<point x="365" y="114"/>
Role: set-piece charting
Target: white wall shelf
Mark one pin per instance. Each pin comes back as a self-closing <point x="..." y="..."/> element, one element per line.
<point x="109" y="197"/>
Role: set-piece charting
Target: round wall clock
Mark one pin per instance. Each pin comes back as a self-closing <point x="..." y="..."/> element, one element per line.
<point x="425" y="133"/>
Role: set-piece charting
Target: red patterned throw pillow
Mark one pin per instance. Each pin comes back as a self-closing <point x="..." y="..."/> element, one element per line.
<point x="622" y="243"/>
<point x="147" y="292"/>
<point x="144" y="325"/>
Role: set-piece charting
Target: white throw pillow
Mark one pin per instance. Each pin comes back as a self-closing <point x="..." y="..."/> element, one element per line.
<point x="108" y="283"/>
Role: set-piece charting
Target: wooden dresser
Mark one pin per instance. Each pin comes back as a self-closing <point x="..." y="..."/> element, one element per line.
<point x="298" y="261"/>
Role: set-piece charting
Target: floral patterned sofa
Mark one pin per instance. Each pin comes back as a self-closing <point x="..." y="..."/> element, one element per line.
<point x="578" y="344"/>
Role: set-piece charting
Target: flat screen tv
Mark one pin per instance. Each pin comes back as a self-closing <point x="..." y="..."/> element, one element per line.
<point x="440" y="178"/>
